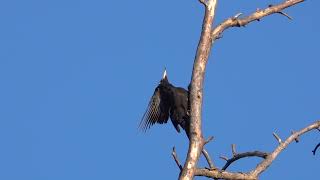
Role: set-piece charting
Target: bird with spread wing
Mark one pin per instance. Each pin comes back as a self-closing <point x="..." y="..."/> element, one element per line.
<point x="167" y="101"/>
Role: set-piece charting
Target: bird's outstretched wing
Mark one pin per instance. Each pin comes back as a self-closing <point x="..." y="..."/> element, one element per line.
<point x="157" y="111"/>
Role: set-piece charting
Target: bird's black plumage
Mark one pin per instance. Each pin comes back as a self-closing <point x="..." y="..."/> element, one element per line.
<point x="167" y="101"/>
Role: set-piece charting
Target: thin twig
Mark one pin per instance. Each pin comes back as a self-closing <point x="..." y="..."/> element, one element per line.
<point x="206" y="154"/>
<point x="208" y="140"/>
<point x="282" y="13"/>
<point x="315" y="149"/>
<point x="224" y="158"/>
<point x="244" y="155"/>
<point x="233" y="148"/>
<point x="208" y="158"/>
<point x="237" y="15"/>
<point x="277" y="137"/>
<point x="286" y="15"/>
<point x="175" y="157"/>
<point x="203" y="2"/>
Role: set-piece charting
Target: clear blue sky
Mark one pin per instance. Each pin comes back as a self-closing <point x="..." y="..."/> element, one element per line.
<point x="76" y="77"/>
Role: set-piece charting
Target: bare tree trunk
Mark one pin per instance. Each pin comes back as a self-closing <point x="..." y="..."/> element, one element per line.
<point x="196" y="91"/>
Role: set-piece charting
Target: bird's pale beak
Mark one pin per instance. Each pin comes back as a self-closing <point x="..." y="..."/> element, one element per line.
<point x="164" y="74"/>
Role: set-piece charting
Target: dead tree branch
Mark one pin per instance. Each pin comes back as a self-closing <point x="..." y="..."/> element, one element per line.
<point x="244" y="155"/>
<point x="208" y="36"/>
<point x="269" y="158"/>
<point x="256" y="16"/>
<point x="216" y="174"/>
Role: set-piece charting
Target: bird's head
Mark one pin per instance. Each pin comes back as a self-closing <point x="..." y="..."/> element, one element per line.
<point x="164" y="79"/>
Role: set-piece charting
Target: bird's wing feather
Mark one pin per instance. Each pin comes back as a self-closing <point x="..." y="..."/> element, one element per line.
<point x="157" y="112"/>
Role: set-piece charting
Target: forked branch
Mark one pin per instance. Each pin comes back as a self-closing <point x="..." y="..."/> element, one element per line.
<point x="256" y="16"/>
<point x="268" y="159"/>
<point x="207" y="38"/>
